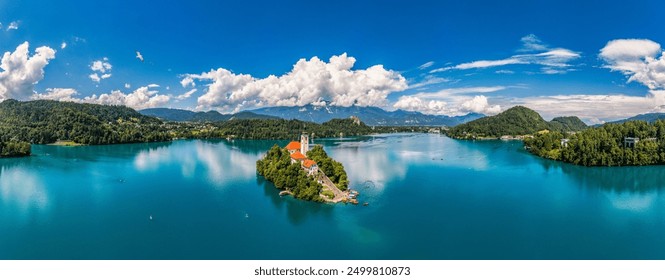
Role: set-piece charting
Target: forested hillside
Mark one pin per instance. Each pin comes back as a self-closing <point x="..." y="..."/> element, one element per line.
<point x="605" y="146"/>
<point x="45" y="121"/>
<point x="515" y="121"/>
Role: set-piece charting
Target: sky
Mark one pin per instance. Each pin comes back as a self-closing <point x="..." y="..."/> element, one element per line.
<point x="599" y="60"/>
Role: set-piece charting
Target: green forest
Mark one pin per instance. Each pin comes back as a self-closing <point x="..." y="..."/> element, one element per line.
<point x="604" y="145"/>
<point x="14" y="149"/>
<point x="277" y="168"/>
<point x="515" y="121"/>
<point x="280" y="129"/>
<point x="332" y="168"/>
<point x="46" y="122"/>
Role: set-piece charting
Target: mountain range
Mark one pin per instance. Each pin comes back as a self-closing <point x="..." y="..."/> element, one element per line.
<point x="318" y="114"/>
<point x="180" y="115"/>
<point x="649" y="117"/>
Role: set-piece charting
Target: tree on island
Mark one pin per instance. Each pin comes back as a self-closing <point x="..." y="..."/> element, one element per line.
<point x="332" y="168"/>
<point x="277" y="168"/>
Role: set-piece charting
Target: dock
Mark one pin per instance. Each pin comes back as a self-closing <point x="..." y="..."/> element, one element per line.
<point x="340" y="196"/>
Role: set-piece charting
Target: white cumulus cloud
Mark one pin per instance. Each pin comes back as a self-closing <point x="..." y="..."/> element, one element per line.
<point x="458" y="106"/>
<point x="641" y="60"/>
<point x="412" y="103"/>
<point x="309" y="82"/>
<point x="101" y="70"/>
<point x="101" y="65"/>
<point x="20" y="71"/>
<point x="63" y="45"/>
<point x="140" y="98"/>
<point x="479" y="104"/>
<point x="452" y="101"/>
<point x="94" y="77"/>
<point x="59" y="94"/>
<point x="595" y="108"/>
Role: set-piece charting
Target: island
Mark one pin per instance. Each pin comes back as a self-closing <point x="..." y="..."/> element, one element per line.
<point x="306" y="174"/>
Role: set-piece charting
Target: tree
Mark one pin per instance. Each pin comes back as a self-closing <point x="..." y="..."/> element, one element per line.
<point x="604" y="145"/>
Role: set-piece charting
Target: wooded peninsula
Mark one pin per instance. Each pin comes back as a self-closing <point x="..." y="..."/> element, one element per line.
<point x="569" y="140"/>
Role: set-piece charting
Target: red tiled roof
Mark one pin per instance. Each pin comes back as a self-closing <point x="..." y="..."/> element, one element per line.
<point x="293" y="146"/>
<point x="308" y="163"/>
<point x="298" y="156"/>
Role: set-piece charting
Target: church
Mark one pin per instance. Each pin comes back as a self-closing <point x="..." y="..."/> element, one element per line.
<point x="298" y="151"/>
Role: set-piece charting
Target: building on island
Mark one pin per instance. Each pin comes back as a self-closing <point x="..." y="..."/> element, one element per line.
<point x="297" y="157"/>
<point x="293" y="147"/>
<point x="304" y="143"/>
<point x="298" y="151"/>
<point x="310" y="166"/>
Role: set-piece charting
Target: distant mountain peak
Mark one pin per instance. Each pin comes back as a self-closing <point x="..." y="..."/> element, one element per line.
<point x="369" y="115"/>
<point x="180" y="115"/>
<point x="318" y="114"/>
<point x="647" y="117"/>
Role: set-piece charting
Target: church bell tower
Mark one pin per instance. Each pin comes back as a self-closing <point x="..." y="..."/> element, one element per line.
<point x="304" y="144"/>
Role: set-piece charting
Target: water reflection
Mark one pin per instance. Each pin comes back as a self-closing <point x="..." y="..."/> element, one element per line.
<point x="632" y="202"/>
<point x="632" y="188"/>
<point x="94" y="153"/>
<point x="628" y="179"/>
<point x="218" y="159"/>
<point x="22" y="192"/>
<point x="369" y="161"/>
<point x="297" y="211"/>
<point x="383" y="158"/>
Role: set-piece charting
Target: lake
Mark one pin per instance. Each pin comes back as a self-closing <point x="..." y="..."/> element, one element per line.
<point x="430" y="197"/>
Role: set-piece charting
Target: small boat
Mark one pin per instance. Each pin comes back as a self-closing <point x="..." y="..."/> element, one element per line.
<point x="246" y="216"/>
<point x="366" y="203"/>
<point x="150" y="217"/>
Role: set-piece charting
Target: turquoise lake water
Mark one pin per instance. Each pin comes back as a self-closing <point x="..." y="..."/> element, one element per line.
<point x="429" y="197"/>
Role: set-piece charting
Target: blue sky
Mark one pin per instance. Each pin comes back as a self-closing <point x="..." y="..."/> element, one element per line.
<point x="437" y="57"/>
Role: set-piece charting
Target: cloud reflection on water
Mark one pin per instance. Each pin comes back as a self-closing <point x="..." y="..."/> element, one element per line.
<point x="384" y="158"/>
<point x="217" y="159"/>
<point x="22" y="189"/>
